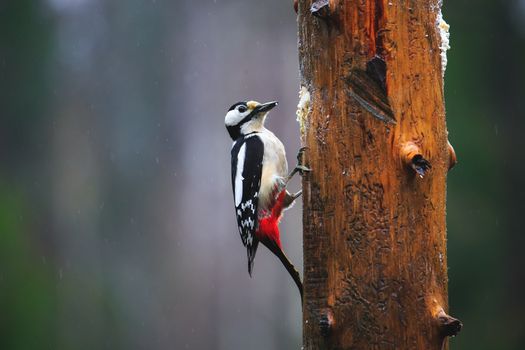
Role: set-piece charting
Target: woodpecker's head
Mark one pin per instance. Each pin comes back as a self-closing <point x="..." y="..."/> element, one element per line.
<point x="246" y="117"/>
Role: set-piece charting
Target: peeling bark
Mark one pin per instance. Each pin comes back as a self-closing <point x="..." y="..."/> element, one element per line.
<point x="375" y="269"/>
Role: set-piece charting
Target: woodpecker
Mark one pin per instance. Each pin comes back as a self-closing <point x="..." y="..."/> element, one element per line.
<point x="259" y="178"/>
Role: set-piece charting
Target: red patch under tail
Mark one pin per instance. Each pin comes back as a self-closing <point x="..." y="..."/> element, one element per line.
<point x="269" y="226"/>
<point x="268" y="234"/>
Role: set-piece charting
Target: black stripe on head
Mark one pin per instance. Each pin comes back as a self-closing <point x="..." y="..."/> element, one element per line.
<point x="235" y="130"/>
<point x="237" y="104"/>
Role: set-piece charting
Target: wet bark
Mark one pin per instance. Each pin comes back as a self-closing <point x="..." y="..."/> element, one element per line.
<point x="372" y="116"/>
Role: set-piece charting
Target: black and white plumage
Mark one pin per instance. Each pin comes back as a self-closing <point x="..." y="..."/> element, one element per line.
<point x="258" y="167"/>
<point x="247" y="157"/>
<point x="259" y="178"/>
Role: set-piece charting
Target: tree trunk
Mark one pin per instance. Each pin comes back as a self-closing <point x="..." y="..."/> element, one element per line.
<point x="372" y="116"/>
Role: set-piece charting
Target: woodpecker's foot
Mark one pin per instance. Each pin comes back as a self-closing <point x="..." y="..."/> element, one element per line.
<point x="300" y="155"/>
<point x="290" y="198"/>
<point x="301" y="168"/>
<point x="297" y="194"/>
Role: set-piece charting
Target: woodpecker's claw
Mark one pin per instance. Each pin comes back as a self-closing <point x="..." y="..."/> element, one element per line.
<point x="301" y="169"/>
<point x="290" y="198"/>
<point x="300" y="163"/>
<point x="297" y="194"/>
<point x="300" y="154"/>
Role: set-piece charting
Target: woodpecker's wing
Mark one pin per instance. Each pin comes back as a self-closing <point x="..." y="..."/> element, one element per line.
<point x="247" y="158"/>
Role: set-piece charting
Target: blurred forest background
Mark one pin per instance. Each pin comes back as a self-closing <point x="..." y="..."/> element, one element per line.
<point x="117" y="228"/>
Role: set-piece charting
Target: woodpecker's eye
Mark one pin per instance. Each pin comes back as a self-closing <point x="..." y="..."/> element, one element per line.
<point x="242" y="109"/>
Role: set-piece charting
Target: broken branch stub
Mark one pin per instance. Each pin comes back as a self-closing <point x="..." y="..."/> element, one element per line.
<point x="452" y="158"/>
<point x="326" y="323"/>
<point x="320" y="8"/>
<point x="448" y="325"/>
<point x="412" y="157"/>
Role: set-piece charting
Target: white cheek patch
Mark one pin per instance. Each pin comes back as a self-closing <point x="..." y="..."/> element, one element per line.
<point x="233" y="117"/>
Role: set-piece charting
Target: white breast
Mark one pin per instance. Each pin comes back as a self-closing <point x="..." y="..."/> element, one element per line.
<point x="275" y="168"/>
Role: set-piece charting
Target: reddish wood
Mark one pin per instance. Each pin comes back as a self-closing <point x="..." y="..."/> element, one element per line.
<point x="375" y="267"/>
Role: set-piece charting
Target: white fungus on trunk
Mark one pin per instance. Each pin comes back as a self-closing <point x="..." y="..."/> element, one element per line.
<point x="303" y="108"/>
<point x="444" y="33"/>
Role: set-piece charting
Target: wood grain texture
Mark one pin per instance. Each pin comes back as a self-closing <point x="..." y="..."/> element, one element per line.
<point x="375" y="268"/>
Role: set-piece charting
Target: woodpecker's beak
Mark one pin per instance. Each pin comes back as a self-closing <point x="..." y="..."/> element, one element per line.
<point x="265" y="107"/>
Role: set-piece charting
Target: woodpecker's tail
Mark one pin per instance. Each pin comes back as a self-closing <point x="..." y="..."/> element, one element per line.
<point x="251" y="249"/>
<point x="268" y="234"/>
<point x="276" y="249"/>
